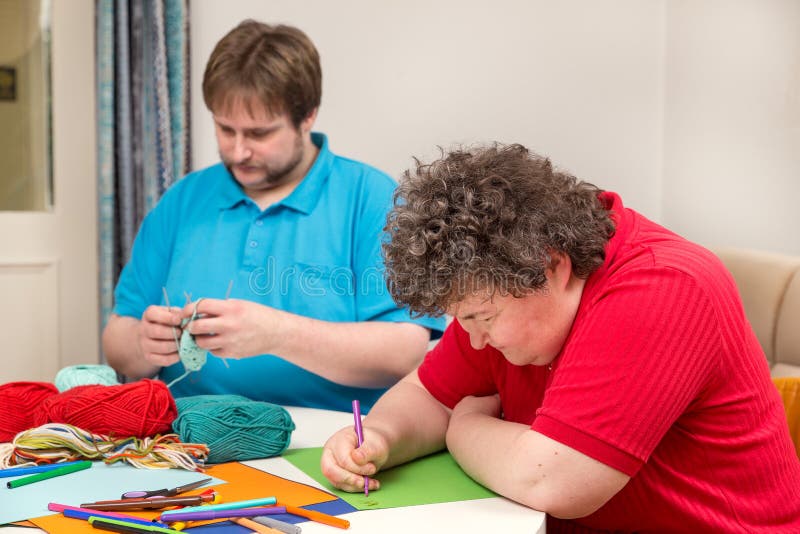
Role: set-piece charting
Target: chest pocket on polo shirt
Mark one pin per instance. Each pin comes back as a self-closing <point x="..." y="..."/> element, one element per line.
<point x="322" y="291"/>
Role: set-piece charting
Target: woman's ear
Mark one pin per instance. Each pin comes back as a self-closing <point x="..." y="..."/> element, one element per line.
<point x="559" y="270"/>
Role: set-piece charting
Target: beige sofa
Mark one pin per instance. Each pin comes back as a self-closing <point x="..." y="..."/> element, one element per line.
<point x="770" y="287"/>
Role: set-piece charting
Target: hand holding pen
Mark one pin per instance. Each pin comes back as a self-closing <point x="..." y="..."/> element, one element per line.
<point x="349" y="466"/>
<point x="360" y="437"/>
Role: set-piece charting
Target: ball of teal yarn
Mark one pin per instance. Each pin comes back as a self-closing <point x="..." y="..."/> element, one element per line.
<point x="235" y="428"/>
<point x="83" y="375"/>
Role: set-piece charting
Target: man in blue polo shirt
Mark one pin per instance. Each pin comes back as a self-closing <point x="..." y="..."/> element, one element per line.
<point x="278" y="247"/>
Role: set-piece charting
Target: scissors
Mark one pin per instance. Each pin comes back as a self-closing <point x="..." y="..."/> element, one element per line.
<point x="164" y="492"/>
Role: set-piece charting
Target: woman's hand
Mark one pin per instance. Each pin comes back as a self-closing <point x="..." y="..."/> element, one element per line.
<point x="345" y="464"/>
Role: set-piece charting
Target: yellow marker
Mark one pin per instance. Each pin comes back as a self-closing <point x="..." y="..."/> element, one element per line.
<point x="181" y="525"/>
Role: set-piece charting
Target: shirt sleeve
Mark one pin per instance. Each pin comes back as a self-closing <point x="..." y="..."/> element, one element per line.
<point x="637" y="358"/>
<point x="142" y="278"/>
<point x="453" y="370"/>
<point x="373" y="300"/>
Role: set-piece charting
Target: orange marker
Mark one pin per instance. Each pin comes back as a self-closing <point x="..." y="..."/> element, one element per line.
<point x="318" y="517"/>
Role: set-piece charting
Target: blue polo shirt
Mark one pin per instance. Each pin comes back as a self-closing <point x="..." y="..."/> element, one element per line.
<point x="316" y="253"/>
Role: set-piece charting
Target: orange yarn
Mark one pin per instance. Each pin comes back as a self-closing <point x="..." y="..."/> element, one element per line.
<point x="140" y="409"/>
<point x="17" y="400"/>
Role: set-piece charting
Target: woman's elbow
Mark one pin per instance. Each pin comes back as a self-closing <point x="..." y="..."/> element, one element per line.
<point x="568" y="504"/>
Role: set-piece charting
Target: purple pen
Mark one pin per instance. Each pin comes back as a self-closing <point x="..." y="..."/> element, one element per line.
<point x="360" y="436"/>
<point x="222" y="514"/>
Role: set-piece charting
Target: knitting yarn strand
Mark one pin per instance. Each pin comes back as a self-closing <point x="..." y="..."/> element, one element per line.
<point x="53" y="442"/>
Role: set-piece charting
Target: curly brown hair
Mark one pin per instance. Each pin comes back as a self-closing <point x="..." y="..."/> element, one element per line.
<point x="488" y="217"/>
<point x="276" y="65"/>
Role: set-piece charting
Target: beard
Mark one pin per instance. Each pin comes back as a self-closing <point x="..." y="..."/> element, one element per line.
<point x="273" y="175"/>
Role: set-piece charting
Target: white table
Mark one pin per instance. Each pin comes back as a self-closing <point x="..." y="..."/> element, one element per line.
<point x="495" y="514"/>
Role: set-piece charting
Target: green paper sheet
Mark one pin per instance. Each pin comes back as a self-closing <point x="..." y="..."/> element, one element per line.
<point x="432" y="479"/>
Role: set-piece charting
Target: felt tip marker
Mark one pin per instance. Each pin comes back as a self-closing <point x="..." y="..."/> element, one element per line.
<point x="63" y="470"/>
<point x="148" y="504"/>
<point x="255" y="527"/>
<point x="116" y="525"/>
<point x="202" y="515"/>
<point x="84" y="513"/>
<point x="33" y="469"/>
<point x="318" y="517"/>
<point x="360" y="437"/>
<point x="277" y="524"/>
<point x="102" y="524"/>
<point x="266" y="501"/>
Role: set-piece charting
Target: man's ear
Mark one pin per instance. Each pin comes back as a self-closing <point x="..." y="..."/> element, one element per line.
<point x="308" y="123"/>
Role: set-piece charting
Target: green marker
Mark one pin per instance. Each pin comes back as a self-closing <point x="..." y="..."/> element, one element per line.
<point x="70" y="468"/>
<point x="127" y="526"/>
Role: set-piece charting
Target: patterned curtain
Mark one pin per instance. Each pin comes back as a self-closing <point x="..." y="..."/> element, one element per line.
<point x="142" y="120"/>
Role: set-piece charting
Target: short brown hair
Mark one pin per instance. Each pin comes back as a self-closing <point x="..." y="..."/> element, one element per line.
<point x="277" y="65"/>
<point x="488" y="217"/>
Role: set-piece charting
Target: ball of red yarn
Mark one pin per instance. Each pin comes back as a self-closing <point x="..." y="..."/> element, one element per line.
<point x="17" y="403"/>
<point x="141" y="409"/>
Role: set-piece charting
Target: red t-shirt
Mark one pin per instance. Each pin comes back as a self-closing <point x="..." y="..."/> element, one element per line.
<point x="662" y="378"/>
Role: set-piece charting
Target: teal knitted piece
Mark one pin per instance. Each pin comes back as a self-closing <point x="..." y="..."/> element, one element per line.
<point x="82" y="375"/>
<point x="192" y="356"/>
<point x="234" y="428"/>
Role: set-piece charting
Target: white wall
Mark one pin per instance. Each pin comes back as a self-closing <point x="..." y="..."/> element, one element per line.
<point x="688" y="108"/>
<point x="732" y="116"/>
<point x="579" y="81"/>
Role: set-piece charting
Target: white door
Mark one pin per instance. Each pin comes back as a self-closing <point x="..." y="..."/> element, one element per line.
<point x="48" y="260"/>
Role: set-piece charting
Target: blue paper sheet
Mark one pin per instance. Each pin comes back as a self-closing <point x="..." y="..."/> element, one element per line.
<point x="99" y="482"/>
<point x="336" y="507"/>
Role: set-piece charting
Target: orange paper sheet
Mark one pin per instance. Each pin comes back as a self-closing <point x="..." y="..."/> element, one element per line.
<point x="243" y="483"/>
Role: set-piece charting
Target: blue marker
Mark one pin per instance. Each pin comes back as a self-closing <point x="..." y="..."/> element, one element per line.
<point x="80" y="514"/>
<point x="32" y="470"/>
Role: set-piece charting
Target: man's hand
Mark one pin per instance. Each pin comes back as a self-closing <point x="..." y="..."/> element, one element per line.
<point x="157" y="331"/>
<point x="235" y="328"/>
